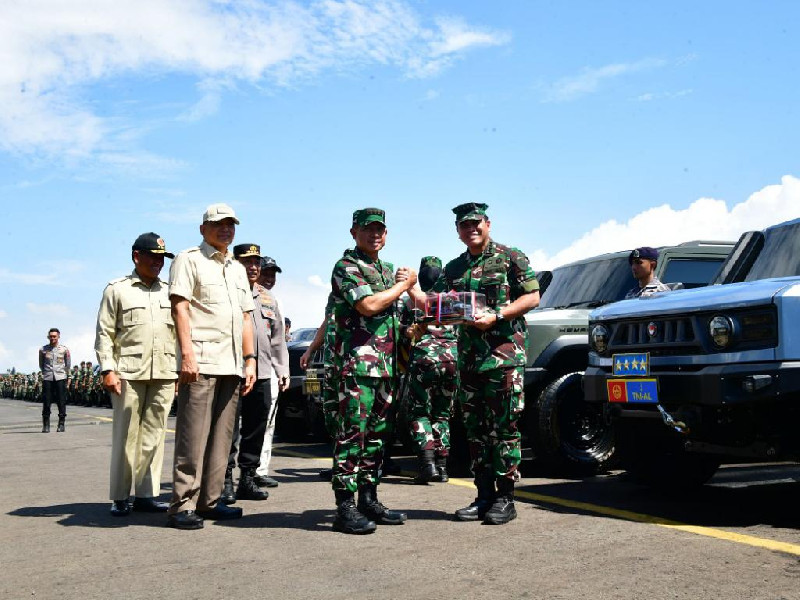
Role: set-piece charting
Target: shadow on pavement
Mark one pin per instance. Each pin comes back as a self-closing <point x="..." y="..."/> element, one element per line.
<point x="91" y="514"/>
<point x="315" y="520"/>
<point x="737" y="500"/>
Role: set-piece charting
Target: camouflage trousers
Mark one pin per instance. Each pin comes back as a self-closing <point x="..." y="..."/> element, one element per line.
<point x="430" y="392"/>
<point x="330" y="401"/>
<point x="492" y="402"/>
<point x="361" y="429"/>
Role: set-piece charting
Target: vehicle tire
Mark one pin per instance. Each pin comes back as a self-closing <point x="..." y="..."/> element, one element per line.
<point x="573" y="436"/>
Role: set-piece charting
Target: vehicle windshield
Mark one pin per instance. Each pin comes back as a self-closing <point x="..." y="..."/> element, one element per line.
<point x="780" y="256"/>
<point x="589" y="284"/>
<point x="303" y="335"/>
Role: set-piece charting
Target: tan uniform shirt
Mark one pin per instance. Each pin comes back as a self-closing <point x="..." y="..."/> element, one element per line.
<point x="218" y="292"/>
<point x="135" y="331"/>
<point x="269" y="336"/>
<point x="54" y="362"/>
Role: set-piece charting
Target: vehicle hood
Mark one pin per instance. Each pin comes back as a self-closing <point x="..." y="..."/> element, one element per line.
<point x="732" y="295"/>
<point x="557" y="316"/>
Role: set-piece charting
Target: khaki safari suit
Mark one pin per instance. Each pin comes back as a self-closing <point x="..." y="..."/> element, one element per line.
<point x="216" y="286"/>
<point x="136" y="338"/>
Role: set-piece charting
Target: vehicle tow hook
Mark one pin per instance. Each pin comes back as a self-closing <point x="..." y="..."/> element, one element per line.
<point x="678" y="426"/>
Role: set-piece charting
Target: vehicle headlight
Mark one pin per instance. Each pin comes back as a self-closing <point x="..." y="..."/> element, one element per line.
<point x="598" y="339"/>
<point x="721" y="330"/>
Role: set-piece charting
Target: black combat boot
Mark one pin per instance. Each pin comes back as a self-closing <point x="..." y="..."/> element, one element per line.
<point x="247" y="489"/>
<point x="45" y="424"/>
<point x="476" y="511"/>
<point x="441" y="469"/>
<point x="502" y="511"/>
<point x="348" y="518"/>
<point x="427" y="469"/>
<point x="369" y="504"/>
<point x="60" y="427"/>
<point x="228" y="496"/>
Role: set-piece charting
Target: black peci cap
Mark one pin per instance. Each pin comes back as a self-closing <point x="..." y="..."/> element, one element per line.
<point x="152" y="243"/>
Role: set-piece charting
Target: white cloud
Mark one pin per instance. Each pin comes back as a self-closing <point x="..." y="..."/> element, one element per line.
<point x="55" y="273"/>
<point x="4" y="353"/>
<point x="589" y="80"/>
<point x="704" y="219"/>
<point x="52" y="50"/>
<point x="8" y="276"/>
<point x="48" y="309"/>
<point x="431" y="95"/>
<point x="3" y="314"/>
<point x="648" y="97"/>
<point x="303" y="302"/>
<point x="316" y="281"/>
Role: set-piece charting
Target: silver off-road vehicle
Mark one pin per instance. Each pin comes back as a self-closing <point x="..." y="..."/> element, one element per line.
<point x="694" y="378"/>
<point x="565" y="432"/>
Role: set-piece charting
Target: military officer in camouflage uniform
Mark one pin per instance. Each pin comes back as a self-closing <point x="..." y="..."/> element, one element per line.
<point x="491" y="359"/>
<point x="363" y="330"/>
<point x="431" y="380"/>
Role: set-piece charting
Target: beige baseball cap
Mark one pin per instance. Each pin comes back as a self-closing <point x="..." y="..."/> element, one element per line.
<point x="217" y="212"/>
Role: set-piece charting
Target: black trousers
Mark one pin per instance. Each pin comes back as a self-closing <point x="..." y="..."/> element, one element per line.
<point x="253" y="411"/>
<point x="55" y="390"/>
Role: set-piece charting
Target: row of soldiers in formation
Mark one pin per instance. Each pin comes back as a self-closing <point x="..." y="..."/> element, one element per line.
<point x="84" y="387"/>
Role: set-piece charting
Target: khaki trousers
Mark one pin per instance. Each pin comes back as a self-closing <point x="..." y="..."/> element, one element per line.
<point x="203" y="433"/>
<point x="137" y="438"/>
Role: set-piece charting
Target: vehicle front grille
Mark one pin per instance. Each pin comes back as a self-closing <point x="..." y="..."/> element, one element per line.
<point x="660" y="336"/>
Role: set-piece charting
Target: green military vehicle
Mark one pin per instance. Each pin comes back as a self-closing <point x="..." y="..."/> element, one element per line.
<point x="567" y="434"/>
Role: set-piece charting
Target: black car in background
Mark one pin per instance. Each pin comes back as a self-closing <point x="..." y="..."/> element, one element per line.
<point x="299" y="415"/>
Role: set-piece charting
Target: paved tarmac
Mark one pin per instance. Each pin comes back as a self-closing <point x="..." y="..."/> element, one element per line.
<point x="600" y="538"/>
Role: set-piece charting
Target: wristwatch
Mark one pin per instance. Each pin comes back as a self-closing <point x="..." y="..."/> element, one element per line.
<point x="500" y="316"/>
<point x="247" y="356"/>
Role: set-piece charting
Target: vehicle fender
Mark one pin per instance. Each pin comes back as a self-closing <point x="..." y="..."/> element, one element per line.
<point x="569" y="348"/>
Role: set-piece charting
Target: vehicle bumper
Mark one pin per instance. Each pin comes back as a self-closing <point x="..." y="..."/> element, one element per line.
<point x="717" y="385"/>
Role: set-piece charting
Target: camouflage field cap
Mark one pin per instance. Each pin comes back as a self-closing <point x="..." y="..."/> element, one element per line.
<point x="644" y="252"/>
<point x="432" y="262"/>
<point x="365" y="216"/>
<point x="471" y="211"/>
<point x="430" y="267"/>
<point x="218" y="212"/>
<point x="267" y="262"/>
<point x="245" y="250"/>
<point x="152" y="243"/>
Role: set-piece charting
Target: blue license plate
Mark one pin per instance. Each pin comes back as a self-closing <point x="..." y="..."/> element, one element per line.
<point x="633" y="391"/>
<point x="632" y="365"/>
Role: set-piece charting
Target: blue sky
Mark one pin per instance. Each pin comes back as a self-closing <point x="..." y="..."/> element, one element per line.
<point x="586" y="126"/>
